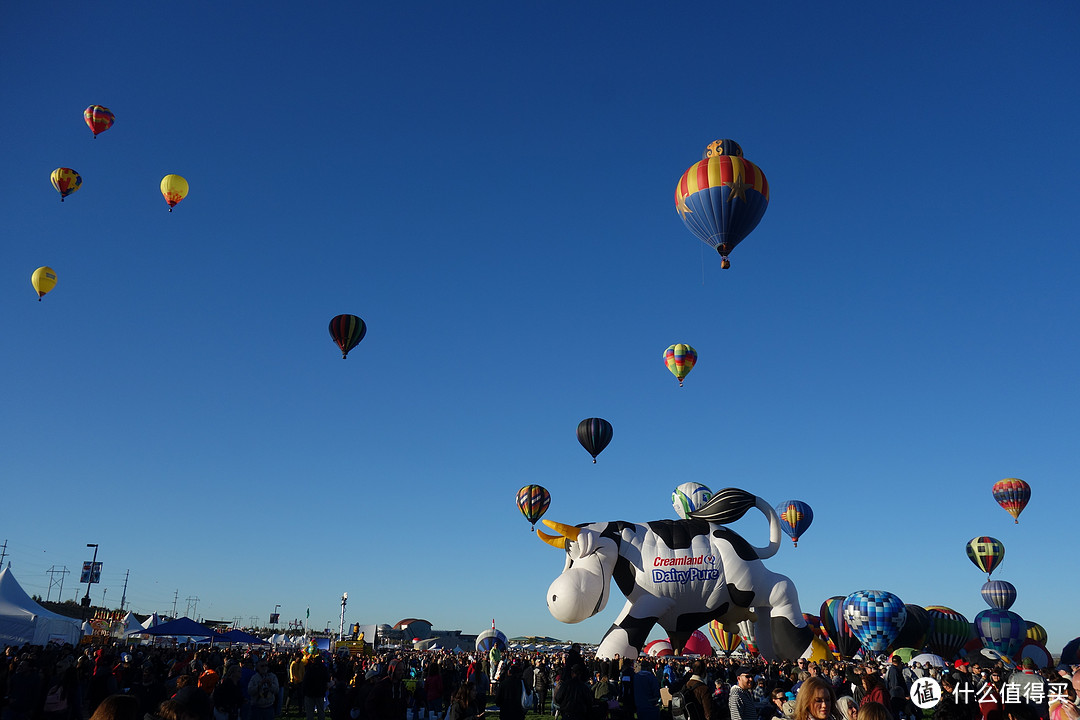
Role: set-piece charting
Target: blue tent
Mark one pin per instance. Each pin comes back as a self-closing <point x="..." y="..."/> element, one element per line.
<point x="239" y="636"/>
<point x="182" y="626"/>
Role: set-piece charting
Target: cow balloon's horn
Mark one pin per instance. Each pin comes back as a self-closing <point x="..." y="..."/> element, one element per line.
<point x="552" y="540"/>
<point x="567" y="531"/>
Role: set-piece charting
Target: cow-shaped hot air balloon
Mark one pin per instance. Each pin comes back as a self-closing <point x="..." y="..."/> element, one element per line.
<point x="679" y="574"/>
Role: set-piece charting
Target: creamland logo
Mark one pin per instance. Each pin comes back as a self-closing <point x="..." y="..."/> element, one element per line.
<point x="699" y="568"/>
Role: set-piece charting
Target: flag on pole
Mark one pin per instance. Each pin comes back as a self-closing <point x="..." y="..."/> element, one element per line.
<point x="309" y="613"/>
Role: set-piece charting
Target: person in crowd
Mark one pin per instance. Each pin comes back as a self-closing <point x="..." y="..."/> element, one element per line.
<point x="433" y="690"/>
<point x="646" y="691"/>
<point x="1063" y="703"/>
<point x="741" y="700"/>
<point x="228" y="695"/>
<point x="388" y="698"/>
<point x="295" y="695"/>
<point x="314" y="686"/>
<point x="117" y="707"/>
<point x="846" y="708"/>
<point x="262" y="690"/>
<point x="23" y="690"/>
<point x="1032" y="688"/>
<point x="696" y="684"/>
<point x="149" y="690"/>
<point x="191" y="699"/>
<point x="463" y="704"/>
<point x="871" y="710"/>
<point x="572" y="694"/>
<point x="508" y="694"/>
<point x="541" y="683"/>
<point x="815" y="700"/>
<point x="873" y="689"/>
<point x="774" y="708"/>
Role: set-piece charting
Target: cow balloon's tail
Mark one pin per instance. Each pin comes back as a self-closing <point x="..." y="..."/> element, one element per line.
<point x="730" y="504"/>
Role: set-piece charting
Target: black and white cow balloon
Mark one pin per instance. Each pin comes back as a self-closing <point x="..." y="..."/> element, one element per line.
<point x="680" y="574"/>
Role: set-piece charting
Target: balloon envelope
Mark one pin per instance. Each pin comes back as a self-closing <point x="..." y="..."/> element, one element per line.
<point x="915" y="629"/>
<point x="949" y="630"/>
<point x="98" y="118"/>
<point x="1035" y="632"/>
<point x="174" y="189"/>
<point x="698" y="644"/>
<point x="66" y="181"/>
<point x="725" y="641"/>
<point x="795" y="518"/>
<point x="533" y="501"/>
<point x="999" y="594"/>
<point x="1001" y="630"/>
<point x="43" y="279"/>
<point x="986" y="553"/>
<point x="490" y="638"/>
<point x="875" y="617"/>
<point x="722" y="198"/>
<point x="1012" y="494"/>
<point x="689" y="497"/>
<point x="680" y="360"/>
<point x="836" y="627"/>
<point x="347" y="331"/>
<point x="594" y="434"/>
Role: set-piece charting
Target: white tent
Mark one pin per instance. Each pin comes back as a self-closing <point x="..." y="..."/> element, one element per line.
<point x="131" y="625"/>
<point x="24" y="621"/>
<point x="153" y="621"/>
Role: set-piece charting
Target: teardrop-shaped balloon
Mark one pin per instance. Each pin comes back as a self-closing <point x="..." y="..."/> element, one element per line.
<point x="43" y="279"/>
<point x="533" y="502"/>
<point x="594" y="434"/>
<point x="1012" y="494"/>
<point x="347" y="331"/>
<point x="875" y="617"/>
<point x="836" y="627"/>
<point x="1035" y="631"/>
<point x="999" y="594"/>
<point x="66" y="181"/>
<point x="174" y="189"/>
<point x="688" y="497"/>
<point x="98" y="118"/>
<point x="725" y="641"/>
<point x="986" y="553"/>
<point x="1001" y="630"/>
<point x="949" y="631"/>
<point x="795" y="517"/>
<point x="916" y="628"/>
<point x="722" y="198"/>
<point x="680" y="360"/>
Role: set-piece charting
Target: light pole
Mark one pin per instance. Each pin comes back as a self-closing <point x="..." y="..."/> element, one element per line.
<point x="276" y="616"/>
<point x="341" y="629"/>
<point x="89" y="578"/>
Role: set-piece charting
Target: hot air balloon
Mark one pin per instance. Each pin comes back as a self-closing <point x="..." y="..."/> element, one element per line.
<point x="949" y="630"/>
<point x="1013" y="495"/>
<point x="1001" y="630"/>
<point x="66" y="181"/>
<point x="836" y="627"/>
<point x="689" y="497"/>
<point x="347" y="332"/>
<point x="749" y="636"/>
<point x="986" y="553"/>
<point x="875" y="617"/>
<point x="533" y="501"/>
<point x="726" y="641"/>
<point x="680" y="360"/>
<point x="594" y="434"/>
<point x="1034" y="631"/>
<point x="722" y="198"/>
<point x="999" y="594"/>
<point x="43" y="279"/>
<point x="491" y="638"/>
<point x="795" y="518"/>
<point x="98" y="118"/>
<point x="915" y="629"/>
<point x="174" y="189"/>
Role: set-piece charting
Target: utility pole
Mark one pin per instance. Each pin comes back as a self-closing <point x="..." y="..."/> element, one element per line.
<point x="53" y="572"/>
<point x="123" y="597"/>
<point x="3" y="552"/>
<point x="175" y="595"/>
<point x="192" y="606"/>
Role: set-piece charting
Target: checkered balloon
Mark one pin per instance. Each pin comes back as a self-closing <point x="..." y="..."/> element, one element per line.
<point x="875" y="617"/>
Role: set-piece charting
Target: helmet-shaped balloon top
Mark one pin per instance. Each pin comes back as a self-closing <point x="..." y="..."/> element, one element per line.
<point x="722" y="147"/>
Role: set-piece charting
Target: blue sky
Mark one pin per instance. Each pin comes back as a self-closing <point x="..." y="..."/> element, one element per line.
<point x="489" y="185"/>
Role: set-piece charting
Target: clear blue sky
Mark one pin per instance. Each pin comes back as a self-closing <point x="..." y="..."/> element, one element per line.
<point x="490" y="186"/>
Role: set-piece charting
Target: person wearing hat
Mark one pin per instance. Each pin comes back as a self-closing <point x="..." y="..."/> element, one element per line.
<point x="1032" y="687"/>
<point x="741" y="702"/>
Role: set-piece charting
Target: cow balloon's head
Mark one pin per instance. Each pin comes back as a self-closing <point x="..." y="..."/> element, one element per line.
<point x="583" y="588"/>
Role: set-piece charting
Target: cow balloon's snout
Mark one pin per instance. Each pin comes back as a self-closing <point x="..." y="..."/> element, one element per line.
<point x="575" y="596"/>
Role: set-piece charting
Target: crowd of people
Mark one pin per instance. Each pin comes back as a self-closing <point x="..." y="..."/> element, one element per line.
<point x="170" y="683"/>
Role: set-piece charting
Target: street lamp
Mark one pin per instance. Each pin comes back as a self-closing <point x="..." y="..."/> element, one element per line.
<point x="341" y="629"/>
<point x="89" y="578"/>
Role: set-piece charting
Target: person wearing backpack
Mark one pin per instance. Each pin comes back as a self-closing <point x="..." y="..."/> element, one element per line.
<point x="693" y="701"/>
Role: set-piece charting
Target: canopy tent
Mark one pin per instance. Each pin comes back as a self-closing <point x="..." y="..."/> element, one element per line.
<point x="153" y="621"/>
<point x="24" y="621"/>
<point x="130" y="626"/>
<point x="239" y="636"/>
<point x="181" y="627"/>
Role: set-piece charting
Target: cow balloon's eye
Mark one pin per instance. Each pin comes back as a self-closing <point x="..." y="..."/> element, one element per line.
<point x="553" y="598"/>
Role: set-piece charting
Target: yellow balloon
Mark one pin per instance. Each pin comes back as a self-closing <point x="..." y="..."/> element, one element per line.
<point x="174" y="188"/>
<point x="43" y="280"/>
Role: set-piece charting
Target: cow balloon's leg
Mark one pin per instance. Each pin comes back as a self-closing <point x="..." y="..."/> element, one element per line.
<point x="787" y="628"/>
<point x="617" y="642"/>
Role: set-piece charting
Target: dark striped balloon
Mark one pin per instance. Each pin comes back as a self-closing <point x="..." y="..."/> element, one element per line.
<point x="347" y="332"/>
<point x="533" y="501"/>
<point x="594" y="434"/>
